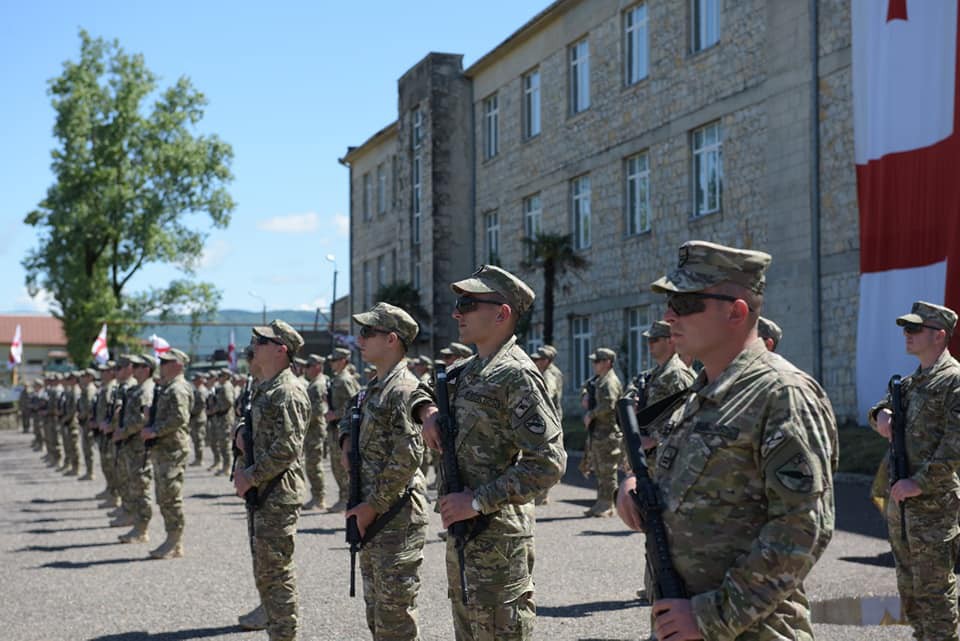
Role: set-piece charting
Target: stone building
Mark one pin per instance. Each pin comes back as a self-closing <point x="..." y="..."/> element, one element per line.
<point x="632" y="126"/>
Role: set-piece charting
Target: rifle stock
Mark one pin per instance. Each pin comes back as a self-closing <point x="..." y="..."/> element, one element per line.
<point x="355" y="497"/>
<point x="899" y="467"/>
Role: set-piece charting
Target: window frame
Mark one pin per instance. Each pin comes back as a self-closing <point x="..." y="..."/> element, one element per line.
<point x="640" y="176"/>
<point x="382" y="188"/>
<point x="637" y="31"/>
<point x="578" y="65"/>
<point x="416" y="189"/>
<point x="707" y="156"/>
<point x="367" y="189"/>
<point x="638" y="320"/>
<point x="699" y="30"/>
<point x="581" y="210"/>
<point x="581" y="346"/>
<point x="491" y="126"/>
<point x="532" y="105"/>
<point x="491" y="221"/>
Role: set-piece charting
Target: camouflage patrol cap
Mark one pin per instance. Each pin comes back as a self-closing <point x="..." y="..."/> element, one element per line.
<point x="300" y="362"/>
<point x="439" y="363"/>
<point x="149" y="360"/>
<point x="548" y="351"/>
<point x="537" y="354"/>
<point x="426" y="361"/>
<point x="924" y="313"/>
<point x="766" y="328"/>
<point x="315" y="359"/>
<point x="703" y="264"/>
<point x="283" y="333"/>
<point x="125" y="359"/>
<point x="174" y="355"/>
<point x="490" y="279"/>
<point x="658" y="329"/>
<point x="460" y="350"/>
<point x="390" y="318"/>
<point x="57" y="376"/>
<point x="603" y="354"/>
<point x="338" y="354"/>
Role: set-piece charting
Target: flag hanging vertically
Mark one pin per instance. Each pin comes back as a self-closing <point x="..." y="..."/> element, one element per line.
<point x="232" y="352"/>
<point x="907" y="150"/>
<point x="16" y="350"/>
<point x="99" y="350"/>
<point x="160" y="346"/>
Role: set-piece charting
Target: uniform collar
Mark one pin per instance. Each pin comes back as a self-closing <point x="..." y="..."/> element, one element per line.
<point x="938" y="364"/>
<point x="717" y="390"/>
<point x="376" y="384"/>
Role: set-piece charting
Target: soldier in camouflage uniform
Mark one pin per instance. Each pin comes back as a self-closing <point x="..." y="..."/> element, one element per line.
<point x="126" y="384"/>
<point x="69" y="425"/>
<point x="509" y="449"/>
<point x="54" y="412"/>
<point x="88" y="395"/>
<point x="36" y="402"/>
<point x="106" y="401"/>
<point x="392" y="486"/>
<point x="23" y="404"/>
<point x="343" y="387"/>
<point x="198" y="419"/>
<point x="604" y="449"/>
<point x="315" y="441"/>
<point x="745" y="468"/>
<point x="170" y="434"/>
<point x="769" y="332"/>
<point x="210" y="381"/>
<point x="280" y="411"/>
<point x="931" y="397"/>
<point x="220" y="420"/>
<point x="543" y="359"/>
<point x="139" y="476"/>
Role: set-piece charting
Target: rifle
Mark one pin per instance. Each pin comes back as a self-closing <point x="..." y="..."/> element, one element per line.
<point x="332" y="425"/>
<point x="243" y="399"/>
<point x="591" y="386"/>
<point x="459" y="531"/>
<point x="356" y="497"/>
<point x="252" y="496"/>
<point x="151" y="421"/>
<point x="899" y="467"/>
<point x="667" y="582"/>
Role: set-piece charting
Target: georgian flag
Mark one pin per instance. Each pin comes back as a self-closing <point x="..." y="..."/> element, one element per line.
<point x="160" y="346"/>
<point x="16" y="350"/>
<point x="99" y="350"/>
<point x="908" y="175"/>
<point x="232" y="352"/>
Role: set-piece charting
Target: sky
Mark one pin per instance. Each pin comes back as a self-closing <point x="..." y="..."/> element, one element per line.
<point x="290" y="86"/>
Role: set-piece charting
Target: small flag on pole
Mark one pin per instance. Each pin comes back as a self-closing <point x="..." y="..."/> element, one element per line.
<point x="232" y="352"/>
<point x="160" y="346"/>
<point x="16" y="350"/>
<point x="99" y="350"/>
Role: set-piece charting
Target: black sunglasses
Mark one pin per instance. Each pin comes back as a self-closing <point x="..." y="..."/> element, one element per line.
<point x="692" y="303"/>
<point x="263" y="340"/>
<point x="913" y="328"/>
<point x="367" y="332"/>
<point x="467" y="304"/>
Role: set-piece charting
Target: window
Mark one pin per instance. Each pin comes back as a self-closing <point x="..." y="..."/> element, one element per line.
<point x="417" y="131"/>
<point x="532" y="219"/>
<point x="416" y="199"/>
<point x="579" y="77"/>
<point x="638" y="320"/>
<point x="531" y="104"/>
<point x="367" y="285"/>
<point x="581" y="346"/>
<point x="491" y="118"/>
<point x="635" y="44"/>
<point x="367" y="196"/>
<point x="395" y="178"/>
<point x="493" y="236"/>
<point x="706" y="23"/>
<point x="707" y="169"/>
<point x="638" y="194"/>
<point x="382" y="188"/>
<point x="416" y="275"/>
<point x="534" y="337"/>
<point x="580" y="191"/>
<point x="381" y="271"/>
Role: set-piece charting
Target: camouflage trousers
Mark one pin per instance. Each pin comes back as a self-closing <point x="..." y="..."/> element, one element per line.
<point x="86" y="442"/>
<point x="169" y="462"/>
<point x="500" y="605"/>
<point x="390" y="566"/>
<point x="339" y="474"/>
<point x="53" y="440"/>
<point x="604" y="453"/>
<point x="25" y="421"/>
<point x="71" y="443"/>
<point x="38" y="431"/>
<point x="273" y="570"/>
<point x="925" y="564"/>
<point x="314" y="448"/>
<point x="198" y="434"/>
<point x="138" y="480"/>
<point x="217" y="438"/>
<point x="108" y="465"/>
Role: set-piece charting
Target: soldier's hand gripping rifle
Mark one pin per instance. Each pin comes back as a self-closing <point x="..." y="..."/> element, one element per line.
<point x="242" y="400"/>
<point x="245" y="429"/>
<point x="151" y="422"/>
<point x="666" y="580"/>
<point x="899" y="467"/>
<point x="355" y="498"/>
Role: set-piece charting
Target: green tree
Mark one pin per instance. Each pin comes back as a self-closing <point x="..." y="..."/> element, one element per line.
<point x="406" y="297"/>
<point x="128" y="176"/>
<point x="554" y="255"/>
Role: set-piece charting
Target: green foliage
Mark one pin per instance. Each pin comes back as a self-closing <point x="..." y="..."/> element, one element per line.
<point x="404" y="296"/>
<point x="554" y="255"/>
<point x="127" y="178"/>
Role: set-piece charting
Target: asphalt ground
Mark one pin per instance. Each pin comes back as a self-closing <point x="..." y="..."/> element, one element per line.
<point x="64" y="576"/>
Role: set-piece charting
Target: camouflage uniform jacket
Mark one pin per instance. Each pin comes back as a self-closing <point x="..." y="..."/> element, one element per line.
<point x="224" y="397"/>
<point x="71" y="397"/>
<point x="24" y="404"/>
<point x="105" y="395"/>
<point x="172" y="421"/>
<point x="604" y="415"/>
<point x="746" y="477"/>
<point x="198" y="414"/>
<point x="932" y="401"/>
<point x="391" y="444"/>
<point x="56" y="404"/>
<point x="345" y="387"/>
<point x="124" y="396"/>
<point x="88" y="394"/>
<point x="317" y="393"/>
<point x="139" y="400"/>
<point x="509" y="443"/>
<point x="553" y="378"/>
<point x="280" y="410"/>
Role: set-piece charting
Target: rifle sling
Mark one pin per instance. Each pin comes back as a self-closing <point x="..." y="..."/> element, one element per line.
<point x="264" y="492"/>
<point x="650" y="413"/>
<point x="381" y="522"/>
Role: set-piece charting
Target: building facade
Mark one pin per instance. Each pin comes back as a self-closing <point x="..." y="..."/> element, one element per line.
<point x="633" y="127"/>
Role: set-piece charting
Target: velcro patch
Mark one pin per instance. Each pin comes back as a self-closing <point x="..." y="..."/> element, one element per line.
<point x="536" y="424"/>
<point x="771" y="442"/>
<point x="796" y="475"/>
<point x="523" y="406"/>
<point x="666" y="457"/>
<point x="717" y="429"/>
<point x="480" y="399"/>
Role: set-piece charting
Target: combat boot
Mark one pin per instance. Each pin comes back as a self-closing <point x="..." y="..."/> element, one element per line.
<point x="216" y="464"/>
<point x="315" y="504"/>
<point x="136" y="535"/>
<point x="339" y="506"/>
<point x="110" y="501"/>
<point x="255" y="619"/>
<point x="73" y="471"/>
<point x="225" y="469"/>
<point x="171" y="548"/>
<point x="88" y="476"/>
<point x="600" y="509"/>
<point x="122" y="521"/>
<point x="104" y="495"/>
<point x="198" y="461"/>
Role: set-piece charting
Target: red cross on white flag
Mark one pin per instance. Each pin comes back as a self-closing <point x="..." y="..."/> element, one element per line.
<point x="99" y="350"/>
<point x="16" y="350"/>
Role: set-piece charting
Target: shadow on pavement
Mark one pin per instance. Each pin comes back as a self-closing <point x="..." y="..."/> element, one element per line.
<point x="584" y="609"/>
<point x="579" y="502"/>
<point x="55" y="501"/>
<point x="80" y="565"/>
<point x="320" y="530"/>
<point x="207" y="495"/>
<point x="174" y="635"/>
<point x="884" y="560"/>
<point x="599" y="533"/>
<point x="67" y="529"/>
<point x="61" y="548"/>
<point x="66" y="508"/>
<point x="551" y="519"/>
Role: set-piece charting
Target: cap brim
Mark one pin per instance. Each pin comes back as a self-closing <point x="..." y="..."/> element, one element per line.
<point x="910" y="319"/>
<point x="265" y="331"/>
<point x="471" y="286"/>
<point x="367" y="319"/>
<point x="679" y="281"/>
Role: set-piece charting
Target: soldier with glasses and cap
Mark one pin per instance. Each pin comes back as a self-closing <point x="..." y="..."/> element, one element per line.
<point x="926" y="553"/>
<point x="315" y="441"/>
<point x="745" y="467"/>
<point x="343" y="387"/>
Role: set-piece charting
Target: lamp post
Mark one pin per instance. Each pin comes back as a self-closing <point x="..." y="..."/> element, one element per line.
<point x="261" y="299"/>
<point x="333" y="301"/>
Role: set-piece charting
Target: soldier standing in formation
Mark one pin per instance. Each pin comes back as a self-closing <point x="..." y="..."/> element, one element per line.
<point x="36" y="401"/>
<point x="280" y="411"/>
<point x="125" y="386"/>
<point x="343" y="387"/>
<point x="85" y="402"/>
<point x="315" y="441"/>
<point x="23" y="404"/>
<point x="753" y="427"/>
<point x="54" y="412"/>
<point x="69" y="425"/>
<point x="106" y="400"/>
<point x="604" y="450"/>
<point x="509" y="450"/>
<point x="220" y="414"/>
<point x="170" y="437"/>
<point x="553" y="380"/>
<point x="198" y="419"/>
<point x="392" y="486"/>
<point x="139" y="475"/>
<point x="926" y="553"/>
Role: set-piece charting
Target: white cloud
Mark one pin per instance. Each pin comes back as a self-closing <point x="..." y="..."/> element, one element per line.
<point x="341" y="223"/>
<point x="214" y="254"/>
<point x="41" y="303"/>
<point x="321" y="302"/>
<point x="291" y="224"/>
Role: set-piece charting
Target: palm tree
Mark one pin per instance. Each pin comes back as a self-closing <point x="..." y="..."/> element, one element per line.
<point x="554" y="254"/>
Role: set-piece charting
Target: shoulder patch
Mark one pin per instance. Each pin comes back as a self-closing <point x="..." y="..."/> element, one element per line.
<point x="796" y="475"/>
<point x="536" y="424"/>
<point x="523" y="406"/>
